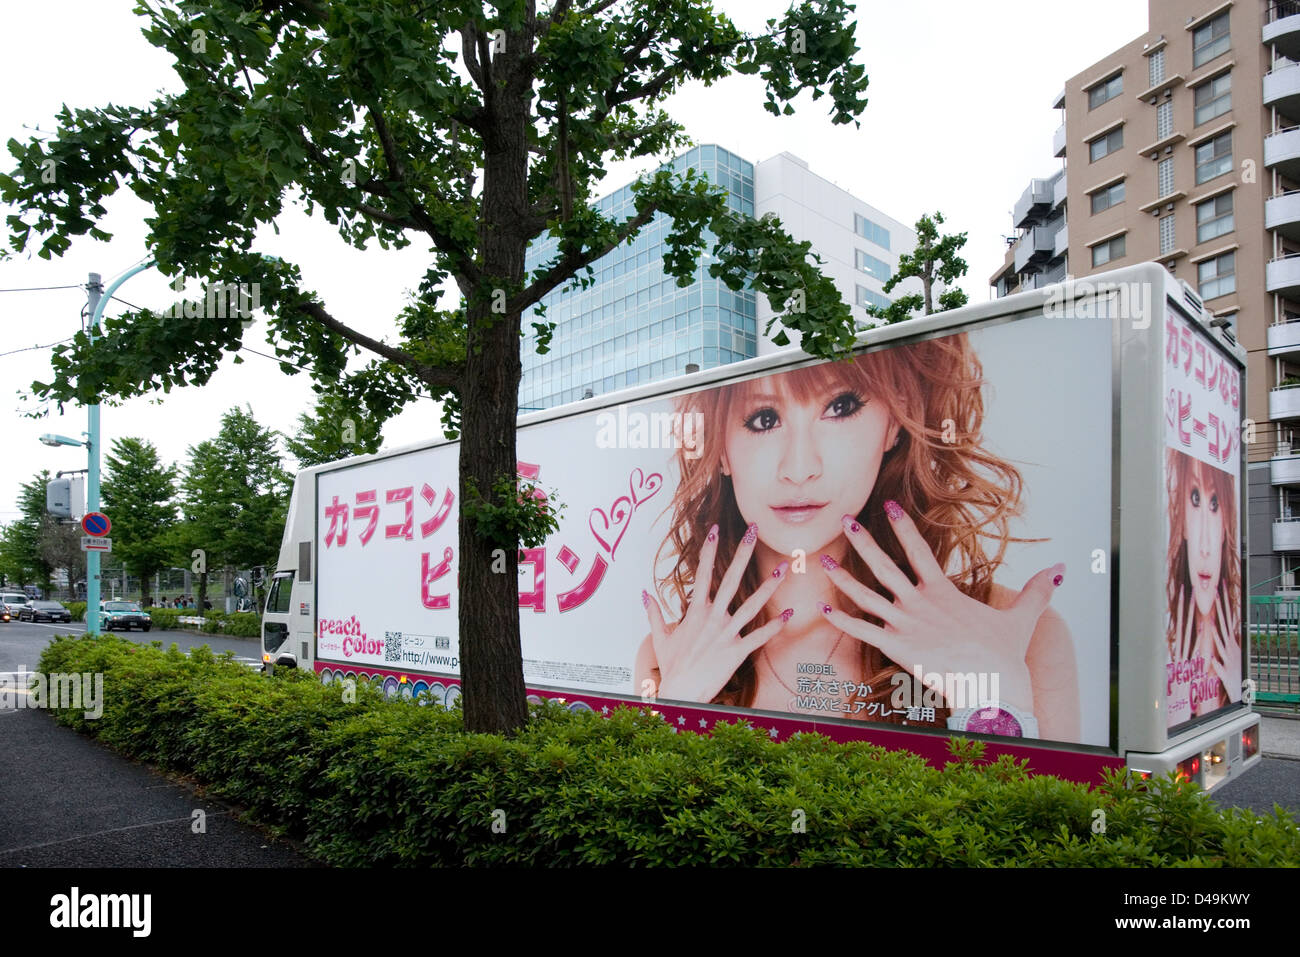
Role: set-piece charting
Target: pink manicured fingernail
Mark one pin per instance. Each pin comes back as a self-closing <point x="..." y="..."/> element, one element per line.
<point x="787" y="614"/>
<point x="645" y="598"/>
<point x="826" y="609"/>
<point x="781" y="569"/>
<point x="1057" y="580"/>
<point x="713" y="534"/>
<point x="829" y="563"/>
<point x="751" y="534"/>
<point x="852" y="523"/>
<point x="893" y="510"/>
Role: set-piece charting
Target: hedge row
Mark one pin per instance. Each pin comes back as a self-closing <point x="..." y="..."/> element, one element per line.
<point x="239" y="624"/>
<point x="375" y="782"/>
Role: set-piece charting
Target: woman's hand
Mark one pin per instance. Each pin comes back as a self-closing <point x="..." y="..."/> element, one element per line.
<point x="1225" y="661"/>
<point x="705" y="648"/>
<point x="932" y="625"/>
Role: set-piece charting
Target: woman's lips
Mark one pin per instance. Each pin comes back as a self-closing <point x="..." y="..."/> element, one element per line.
<point x="796" y="513"/>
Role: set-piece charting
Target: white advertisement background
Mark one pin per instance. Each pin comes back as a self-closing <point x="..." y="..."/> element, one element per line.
<point x="1047" y="410"/>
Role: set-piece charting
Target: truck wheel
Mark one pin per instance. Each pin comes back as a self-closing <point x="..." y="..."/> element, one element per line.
<point x="145" y="627"/>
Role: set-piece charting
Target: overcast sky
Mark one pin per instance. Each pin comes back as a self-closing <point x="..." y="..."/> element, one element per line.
<point x="959" y="119"/>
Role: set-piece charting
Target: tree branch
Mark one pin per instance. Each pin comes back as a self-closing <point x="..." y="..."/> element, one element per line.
<point x="574" y="261"/>
<point x="434" y="376"/>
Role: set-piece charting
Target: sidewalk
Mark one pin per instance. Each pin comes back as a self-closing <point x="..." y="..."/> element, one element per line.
<point x="1280" y="737"/>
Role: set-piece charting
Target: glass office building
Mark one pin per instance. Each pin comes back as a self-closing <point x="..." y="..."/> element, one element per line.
<point x="634" y="324"/>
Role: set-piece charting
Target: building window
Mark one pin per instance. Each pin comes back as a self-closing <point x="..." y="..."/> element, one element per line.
<point x="1105" y="252"/>
<point x="1214" y="158"/>
<point x="1214" y="217"/>
<point x="1108" y="197"/>
<point x="868" y="298"/>
<point x="1164" y="120"/>
<point x="1156" y="67"/>
<point x="1105" y="145"/>
<point x="1213" y="98"/>
<point x="1217" y="277"/>
<point x="1167" y="234"/>
<point x="869" y="230"/>
<point x="1106" y="90"/>
<point x="1210" y="40"/>
<point x="1165" y="176"/>
<point x="874" y="267"/>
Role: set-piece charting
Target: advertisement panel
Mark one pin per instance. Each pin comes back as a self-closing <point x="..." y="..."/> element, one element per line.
<point x="1202" y="498"/>
<point x="919" y="536"/>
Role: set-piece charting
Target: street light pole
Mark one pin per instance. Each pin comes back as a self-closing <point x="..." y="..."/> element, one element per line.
<point x="98" y="299"/>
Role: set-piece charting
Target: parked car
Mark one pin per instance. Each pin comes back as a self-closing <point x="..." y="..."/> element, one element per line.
<point x="123" y="614"/>
<point x="12" y="602"/>
<point x="44" y="611"/>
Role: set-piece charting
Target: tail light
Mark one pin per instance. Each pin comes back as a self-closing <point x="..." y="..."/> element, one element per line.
<point x="1250" y="741"/>
<point x="1189" y="768"/>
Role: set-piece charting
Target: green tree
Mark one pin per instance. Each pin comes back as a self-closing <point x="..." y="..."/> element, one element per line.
<point x="26" y="534"/>
<point x="138" y="493"/>
<point x="469" y="127"/>
<point x="234" y="499"/>
<point x="934" y="260"/>
<point x="335" y="430"/>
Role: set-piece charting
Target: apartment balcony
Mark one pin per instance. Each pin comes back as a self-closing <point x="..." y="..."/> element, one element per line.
<point x="1284" y="402"/>
<point x="1282" y="152"/>
<point x="1058" y="192"/>
<point x="1286" y="534"/>
<point x="1284" y="469"/>
<point x="1036" y="245"/>
<point x="1282" y="276"/>
<point x="1283" y="30"/>
<point x="1284" y="338"/>
<point x="1282" y="213"/>
<point x="1034" y="201"/>
<point x="1061" y="244"/>
<point x="1058" y="141"/>
<point x="1282" y="89"/>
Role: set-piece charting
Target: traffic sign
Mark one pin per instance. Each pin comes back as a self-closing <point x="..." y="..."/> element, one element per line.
<point x="96" y="543"/>
<point x="96" y="524"/>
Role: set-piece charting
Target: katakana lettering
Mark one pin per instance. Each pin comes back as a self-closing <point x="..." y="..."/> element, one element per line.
<point x="338" y="516"/>
<point x="432" y="525"/>
<point x="430" y="575"/>
<point x="368" y="510"/>
<point x="569" y="600"/>
<point x="406" y="495"/>
<point x="536" y="597"/>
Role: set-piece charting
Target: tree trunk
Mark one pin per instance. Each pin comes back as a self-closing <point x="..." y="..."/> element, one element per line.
<point x="491" y="660"/>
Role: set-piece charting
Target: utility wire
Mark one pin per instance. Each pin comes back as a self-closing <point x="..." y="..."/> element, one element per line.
<point x="43" y="288"/>
<point x="30" y="348"/>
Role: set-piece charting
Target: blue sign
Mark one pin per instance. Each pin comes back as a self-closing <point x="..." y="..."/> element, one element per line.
<point x="96" y="524"/>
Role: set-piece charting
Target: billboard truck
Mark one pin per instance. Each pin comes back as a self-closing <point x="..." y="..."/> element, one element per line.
<point x="1019" y="521"/>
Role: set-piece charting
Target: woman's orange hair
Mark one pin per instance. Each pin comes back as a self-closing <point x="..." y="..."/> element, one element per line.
<point x="957" y="492"/>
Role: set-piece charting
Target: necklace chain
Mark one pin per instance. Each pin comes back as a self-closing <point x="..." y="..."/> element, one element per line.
<point x="834" y="648"/>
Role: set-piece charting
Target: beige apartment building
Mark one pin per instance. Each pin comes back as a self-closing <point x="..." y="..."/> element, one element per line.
<point x="1183" y="147"/>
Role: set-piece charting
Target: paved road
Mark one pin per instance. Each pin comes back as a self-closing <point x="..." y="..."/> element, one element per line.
<point x="66" y="801"/>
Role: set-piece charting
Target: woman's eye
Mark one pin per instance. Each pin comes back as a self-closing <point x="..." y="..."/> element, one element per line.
<point x="1196" y="498"/>
<point x="762" y="421"/>
<point x="1214" y="503"/>
<point x="843" y="406"/>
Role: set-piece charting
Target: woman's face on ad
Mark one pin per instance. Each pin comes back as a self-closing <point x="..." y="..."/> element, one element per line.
<point x="1203" y="527"/>
<point x="798" y="466"/>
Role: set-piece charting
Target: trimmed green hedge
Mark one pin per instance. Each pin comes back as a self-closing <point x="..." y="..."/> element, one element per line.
<point x="373" y="782"/>
<point x="239" y="624"/>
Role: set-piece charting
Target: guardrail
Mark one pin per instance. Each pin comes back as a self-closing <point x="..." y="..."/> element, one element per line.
<point x="1275" y="652"/>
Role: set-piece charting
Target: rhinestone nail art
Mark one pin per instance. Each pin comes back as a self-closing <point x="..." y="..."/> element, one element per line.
<point x="829" y="563"/>
<point x="893" y="510"/>
<point x="751" y="535"/>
